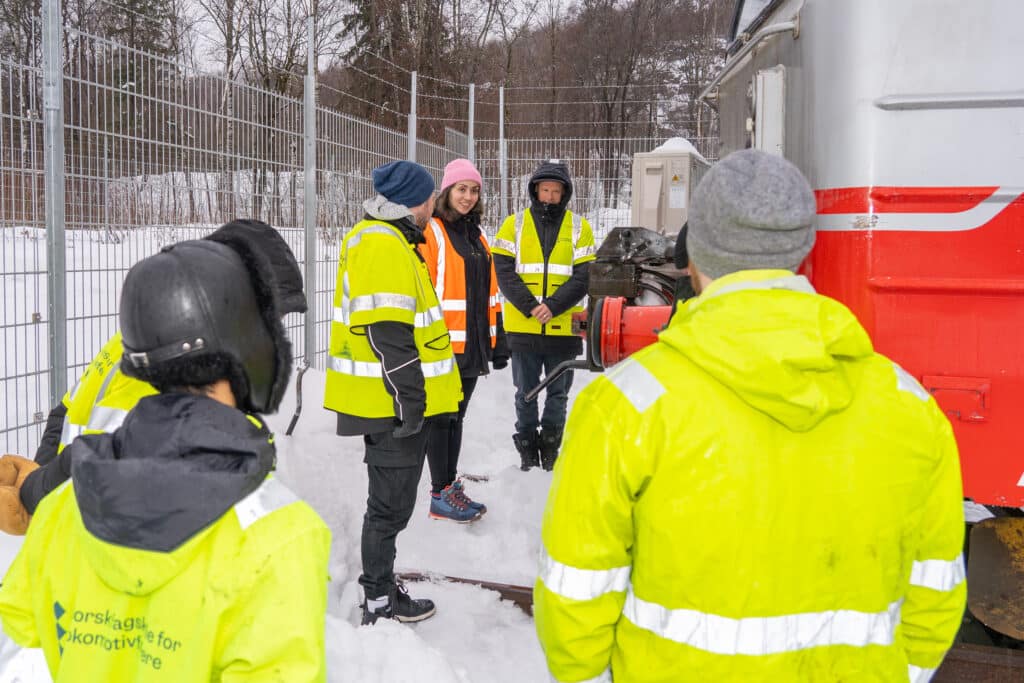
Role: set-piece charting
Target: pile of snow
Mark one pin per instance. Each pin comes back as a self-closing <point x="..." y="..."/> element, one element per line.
<point x="679" y="145"/>
<point x="475" y="636"/>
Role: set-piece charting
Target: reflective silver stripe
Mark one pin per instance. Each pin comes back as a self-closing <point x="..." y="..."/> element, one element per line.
<point x="556" y="269"/>
<point x="636" y="383"/>
<point x="441" y="248"/>
<point x="70" y="432"/>
<point x="530" y="268"/>
<point x="103" y="419"/>
<point x="457" y="335"/>
<point x="429" y="317"/>
<point x="792" y="283"/>
<point x="506" y="245"/>
<point x="907" y="382"/>
<point x="357" y="368"/>
<point x="939" y="575"/>
<point x="604" y="677"/>
<point x="270" y="496"/>
<point x="763" y="635"/>
<point x="74" y="390"/>
<point x="583" y="252"/>
<point x="355" y="239"/>
<point x="453" y="304"/>
<point x="519" y="217"/>
<point x="919" y="675"/>
<point x="339" y="315"/>
<point x="577" y="229"/>
<point x="494" y="301"/>
<point x="493" y="330"/>
<point x="581" y="584"/>
<point x="370" y="302"/>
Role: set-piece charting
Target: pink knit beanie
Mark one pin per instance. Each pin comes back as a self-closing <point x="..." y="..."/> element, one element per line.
<point x="459" y="170"/>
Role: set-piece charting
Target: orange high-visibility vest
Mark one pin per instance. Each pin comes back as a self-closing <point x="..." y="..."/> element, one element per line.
<point x="448" y="272"/>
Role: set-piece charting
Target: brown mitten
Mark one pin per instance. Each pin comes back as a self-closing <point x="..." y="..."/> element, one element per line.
<point x="14" y="518"/>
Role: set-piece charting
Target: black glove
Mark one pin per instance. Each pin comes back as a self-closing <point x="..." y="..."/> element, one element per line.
<point x="408" y="428"/>
<point x="500" y="362"/>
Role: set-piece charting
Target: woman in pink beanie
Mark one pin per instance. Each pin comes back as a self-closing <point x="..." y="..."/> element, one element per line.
<point x="459" y="260"/>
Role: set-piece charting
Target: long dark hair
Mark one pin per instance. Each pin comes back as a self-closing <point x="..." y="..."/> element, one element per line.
<point x="444" y="210"/>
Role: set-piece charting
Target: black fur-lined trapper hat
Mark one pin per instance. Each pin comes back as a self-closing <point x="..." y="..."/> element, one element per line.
<point x="200" y="311"/>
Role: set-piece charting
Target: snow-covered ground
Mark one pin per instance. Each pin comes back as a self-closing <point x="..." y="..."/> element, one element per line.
<point x="475" y="636"/>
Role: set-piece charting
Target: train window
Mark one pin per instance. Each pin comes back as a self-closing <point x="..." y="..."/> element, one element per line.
<point x="747" y="12"/>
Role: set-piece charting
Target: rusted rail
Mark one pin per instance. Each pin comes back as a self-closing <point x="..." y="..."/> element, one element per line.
<point x="964" y="663"/>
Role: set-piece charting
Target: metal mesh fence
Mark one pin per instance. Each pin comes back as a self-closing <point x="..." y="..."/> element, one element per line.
<point x="156" y="152"/>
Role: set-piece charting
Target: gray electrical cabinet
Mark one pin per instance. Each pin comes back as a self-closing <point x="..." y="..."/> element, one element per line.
<point x="663" y="181"/>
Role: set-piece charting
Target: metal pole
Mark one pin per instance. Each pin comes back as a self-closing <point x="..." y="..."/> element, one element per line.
<point x="412" y="119"/>
<point x="53" y="155"/>
<point x="471" y="152"/>
<point x="309" y="203"/>
<point x="502" y="156"/>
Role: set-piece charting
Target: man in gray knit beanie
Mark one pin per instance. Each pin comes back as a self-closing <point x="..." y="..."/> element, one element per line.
<point x="751" y="210"/>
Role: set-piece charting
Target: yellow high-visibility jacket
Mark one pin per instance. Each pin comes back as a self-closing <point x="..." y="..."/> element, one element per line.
<point x="382" y="278"/>
<point x="242" y="600"/>
<point x="758" y="496"/>
<point x="103" y="396"/>
<point x="517" y="237"/>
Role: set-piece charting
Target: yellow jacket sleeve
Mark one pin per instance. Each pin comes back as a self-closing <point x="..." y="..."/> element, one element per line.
<point x="276" y="631"/>
<point x="584" y="251"/>
<point x="935" y="600"/>
<point x="587" y="538"/>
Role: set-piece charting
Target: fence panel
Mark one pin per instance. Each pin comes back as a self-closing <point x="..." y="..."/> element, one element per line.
<point x="601" y="170"/>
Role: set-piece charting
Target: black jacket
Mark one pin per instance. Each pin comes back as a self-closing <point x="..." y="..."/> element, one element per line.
<point x="177" y="464"/>
<point x="547" y="218"/>
<point x="465" y="236"/>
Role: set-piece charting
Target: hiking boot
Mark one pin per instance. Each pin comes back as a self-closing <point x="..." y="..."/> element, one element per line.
<point x="549" y="443"/>
<point x="451" y="506"/>
<point x="460" y="491"/>
<point x="528" y="445"/>
<point x="400" y="607"/>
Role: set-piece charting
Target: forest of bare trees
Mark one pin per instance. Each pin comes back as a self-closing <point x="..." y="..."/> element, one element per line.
<point x="582" y="67"/>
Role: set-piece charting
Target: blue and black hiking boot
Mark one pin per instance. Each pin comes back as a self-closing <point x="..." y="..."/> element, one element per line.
<point x="460" y="491"/>
<point x="449" y="505"/>
<point x="400" y="607"/>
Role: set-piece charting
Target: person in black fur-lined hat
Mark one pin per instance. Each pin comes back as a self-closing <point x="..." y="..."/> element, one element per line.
<point x="104" y="395"/>
<point x="173" y="518"/>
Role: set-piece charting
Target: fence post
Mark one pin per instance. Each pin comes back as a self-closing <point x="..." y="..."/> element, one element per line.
<point x="53" y="160"/>
<point x="412" y="118"/>
<point x="471" y="143"/>
<point x="309" y="199"/>
<point x="502" y="156"/>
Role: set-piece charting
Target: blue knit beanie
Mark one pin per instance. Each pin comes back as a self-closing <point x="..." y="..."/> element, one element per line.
<point x="403" y="182"/>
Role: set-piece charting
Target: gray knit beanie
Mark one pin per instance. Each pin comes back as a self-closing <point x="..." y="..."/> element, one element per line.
<point x="751" y="210"/>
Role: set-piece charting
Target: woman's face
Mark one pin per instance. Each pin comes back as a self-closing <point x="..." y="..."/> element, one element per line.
<point x="464" y="196"/>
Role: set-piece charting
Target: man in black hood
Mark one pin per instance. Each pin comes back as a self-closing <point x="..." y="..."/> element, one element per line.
<point x="541" y="257"/>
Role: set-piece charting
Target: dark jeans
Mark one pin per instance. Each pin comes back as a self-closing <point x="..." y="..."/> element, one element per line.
<point x="392" y="497"/>
<point x="445" y="442"/>
<point x="526" y="373"/>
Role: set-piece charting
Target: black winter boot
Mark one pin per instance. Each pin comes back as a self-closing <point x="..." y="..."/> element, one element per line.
<point x="400" y="607"/>
<point x="528" y="445"/>
<point x="549" y="443"/>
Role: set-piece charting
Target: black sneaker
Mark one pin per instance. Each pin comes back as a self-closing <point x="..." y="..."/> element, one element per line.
<point x="400" y="608"/>
<point x="408" y="609"/>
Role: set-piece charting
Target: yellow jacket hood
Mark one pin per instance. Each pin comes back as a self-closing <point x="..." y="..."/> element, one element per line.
<point x="768" y="337"/>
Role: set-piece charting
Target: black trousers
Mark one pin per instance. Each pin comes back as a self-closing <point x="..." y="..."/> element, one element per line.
<point x="389" y="504"/>
<point x="444" y="443"/>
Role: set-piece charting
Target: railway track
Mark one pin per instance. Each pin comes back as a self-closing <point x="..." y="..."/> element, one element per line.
<point x="965" y="663"/>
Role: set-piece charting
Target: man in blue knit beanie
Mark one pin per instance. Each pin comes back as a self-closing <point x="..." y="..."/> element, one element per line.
<point x="391" y="370"/>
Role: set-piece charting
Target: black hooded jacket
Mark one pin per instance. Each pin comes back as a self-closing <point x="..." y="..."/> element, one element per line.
<point x="548" y="220"/>
<point x="177" y="464"/>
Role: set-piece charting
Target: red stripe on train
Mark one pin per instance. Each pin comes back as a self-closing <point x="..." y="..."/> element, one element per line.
<point x="900" y="199"/>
